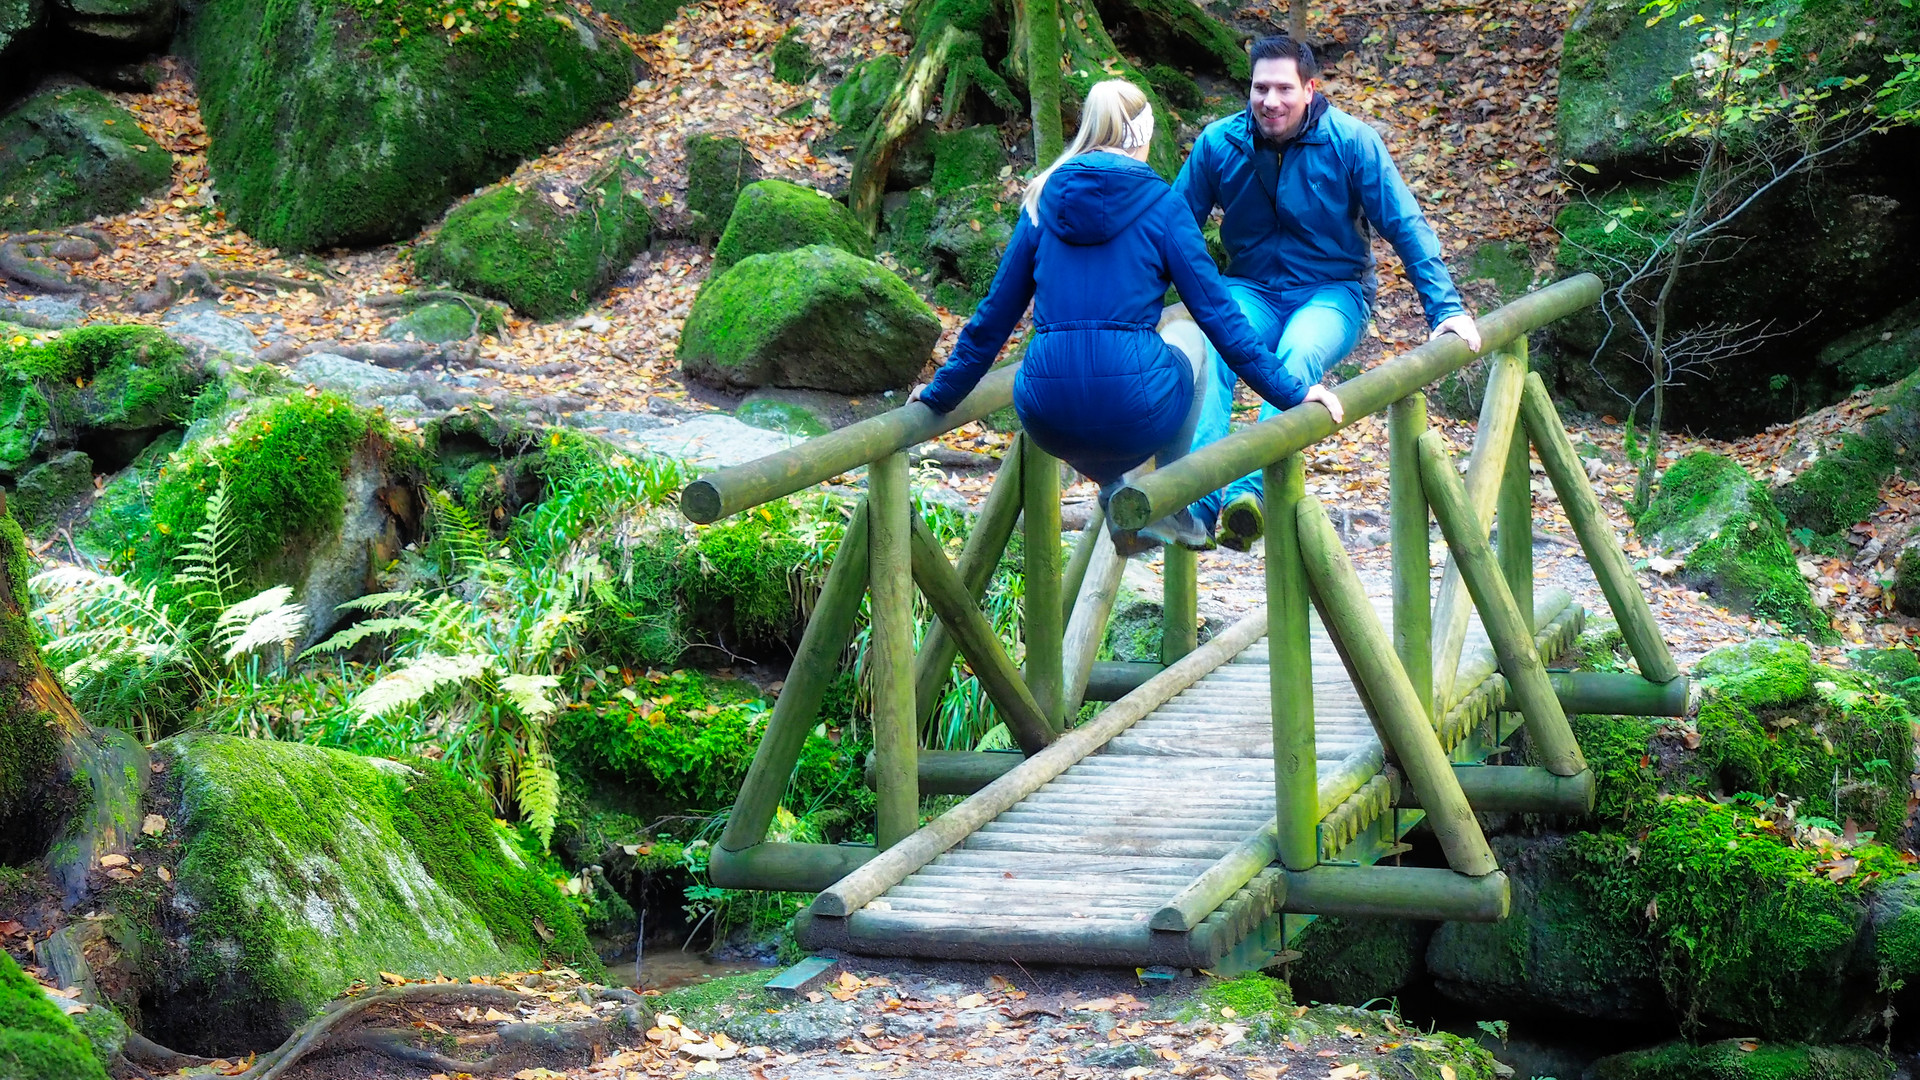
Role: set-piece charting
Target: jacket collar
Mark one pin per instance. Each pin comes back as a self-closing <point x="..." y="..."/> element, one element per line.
<point x="1242" y="132"/>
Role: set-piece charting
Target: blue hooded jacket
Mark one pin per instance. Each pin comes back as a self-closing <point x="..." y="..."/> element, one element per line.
<point x="1335" y="177"/>
<point x="1099" y="388"/>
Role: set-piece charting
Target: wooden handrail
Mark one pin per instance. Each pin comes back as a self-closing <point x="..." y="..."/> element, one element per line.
<point x="1163" y="491"/>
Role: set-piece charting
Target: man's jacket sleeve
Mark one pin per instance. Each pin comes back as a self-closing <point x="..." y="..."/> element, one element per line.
<point x="1392" y="209"/>
<point x="1212" y="306"/>
<point x="992" y="322"/>
<point x="1195" y="184"/>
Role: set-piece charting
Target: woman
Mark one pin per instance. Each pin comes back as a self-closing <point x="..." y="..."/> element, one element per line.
<point x="1099" y="238"/>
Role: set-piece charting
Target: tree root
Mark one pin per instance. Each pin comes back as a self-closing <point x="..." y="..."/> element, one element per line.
<point x="208" y="282"/>
<point x="276" y="1062"/>
<point x="23" y="259"/>
<point x="398" y="356"/>
<point x="418" y="297"/>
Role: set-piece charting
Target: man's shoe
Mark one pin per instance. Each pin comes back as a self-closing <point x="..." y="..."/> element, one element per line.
<point x="1128" y="543"/>
<point x="1242" y="522"/>
<point x="1182" y="528"/>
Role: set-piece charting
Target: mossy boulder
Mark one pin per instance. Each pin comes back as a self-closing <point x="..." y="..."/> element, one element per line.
<point x="445" y="320"/>
<point x="1742" y="1059"/>
<point x="1841" y="486"/>
<point x="793" y="60"/>
<point x="50" y="488"/>
<point x="1878" y="353"/>
<point x="37" y="1041"/>
<point x="1354" y="961"/>
<point x="1762" y="674"/>
<point x="116" y="29"/>
<point x="69" y="153"/>
<point x="1711" y="514"/>
<point x="642" y="16"/>
<point x="815" y="317"/>
<point x="965" y="157"/>
<point x="1906" y="581"/>
<point x="299" y="870"/>
<point x="773" y="216"/>
<point x="545" y="251"/>
<point x="718" y="169"/>
<point x="856" y="101"/>
<point x="344" y="122"/>
<point x="116" y="387"/>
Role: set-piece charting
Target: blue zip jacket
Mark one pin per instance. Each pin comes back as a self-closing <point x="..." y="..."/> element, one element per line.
<point x="1335" y="178"/>
<point x="1098" y="387"/>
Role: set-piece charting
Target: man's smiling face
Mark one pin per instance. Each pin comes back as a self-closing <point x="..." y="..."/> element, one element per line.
<point x="1279" y="97"/>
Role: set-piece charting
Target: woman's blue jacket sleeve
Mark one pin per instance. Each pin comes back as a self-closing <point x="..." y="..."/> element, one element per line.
<point x="1213" y="307"/>
<point x="993" y="321"/>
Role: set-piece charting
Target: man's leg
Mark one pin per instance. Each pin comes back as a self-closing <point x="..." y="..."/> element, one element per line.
<point x="1317" y="334"/>
<point x="1216" y="410"/>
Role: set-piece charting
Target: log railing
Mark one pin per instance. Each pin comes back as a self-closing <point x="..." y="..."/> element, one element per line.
<point x="1406" y="673"/>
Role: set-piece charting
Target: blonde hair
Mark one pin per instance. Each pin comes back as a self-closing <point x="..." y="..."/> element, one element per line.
<point x="1116" y="116"/>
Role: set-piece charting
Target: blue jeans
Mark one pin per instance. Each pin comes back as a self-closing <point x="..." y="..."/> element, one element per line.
<point x="1310" y="330"/>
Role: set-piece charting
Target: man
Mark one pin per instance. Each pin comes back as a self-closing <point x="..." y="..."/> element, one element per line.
<point x="1299" y="182"/>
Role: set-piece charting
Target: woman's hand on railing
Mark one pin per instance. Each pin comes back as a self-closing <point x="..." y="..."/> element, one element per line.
<point x="1328" y="398"/>
<point x="914" y="394"/>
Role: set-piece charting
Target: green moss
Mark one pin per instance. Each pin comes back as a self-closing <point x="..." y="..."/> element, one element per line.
<point x="351" y="122"/>
<point x="106" y="1033"/>
<point x="816" y="317"/>
<point x="120" y="517"/>
<point x="909" y="226"/>
<point x="780" y="416"/>
<point x="307" y="868"/>
<point x="1616" y="749"/>
<point x="1762" y="674"/>
<point x="792" y="60"/>
<point x="642" y="16"/>
<point x="446" y="320"/>
<point x="57" y="386"/>
<point x="856" y="101"/>
<point x="1740" y="1059"/>
<point x="1248" y="995"/>
<point x="1839" y="489"/>
<point x="49" y="489"/>
<point x="544" y="260"/>
<point x="774" y="215"/>
<point x="966" y="157"/>
<point x="1353" y="961"/>
<point x="1733" y="540"/>
<point x="1176" y="87"/>
<point x="70" y="153"/>
<point x="37" y="1042"/>
<point x="1509" y="266"/>
<point x="1587" y="245"/>
<point x="718" y="169"/>
<point x="283" y="465"/>
<point x="706" y="1006"/>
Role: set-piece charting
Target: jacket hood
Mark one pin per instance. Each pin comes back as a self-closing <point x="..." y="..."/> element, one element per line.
<point x="1096" y="196"/>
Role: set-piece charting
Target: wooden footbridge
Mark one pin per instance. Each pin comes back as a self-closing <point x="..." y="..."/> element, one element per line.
<point x="1244" y="786"/>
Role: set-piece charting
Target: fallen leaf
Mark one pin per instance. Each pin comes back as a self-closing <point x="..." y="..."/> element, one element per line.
<point x="154" y="825"/>
<point x="971" y="1001"/>
<point x="390" y="977"/>
<point x="108" y="862"/>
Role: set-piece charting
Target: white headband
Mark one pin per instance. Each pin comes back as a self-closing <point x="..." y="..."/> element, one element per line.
<point x="1139" y="131"/>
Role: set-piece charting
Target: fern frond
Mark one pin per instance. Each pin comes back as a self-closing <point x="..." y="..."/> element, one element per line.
<point x="360" y="631"/>
<point x="376" y="601"/>
<point x="538" y="794"/>
<point x="546" y="629"/>
<point x="282" y="626"/>
<point x="529" y="695"/>
<point x="421" y="676"/>
<point x="206" y="560"/>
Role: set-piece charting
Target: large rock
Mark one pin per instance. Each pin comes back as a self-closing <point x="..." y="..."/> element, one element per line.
<point x="1742" y="1059"/>
<point x="116" y="28"/>
<point x="816" y="317"/>
<point x="1854" y="226"/>
<point x="773" y="216"/>
<point x="298" y="870"/>
<point x="1722" y="525"/>
<point x="856" y="102"/>
<point x="20" y="22"/>
<point x="330" y="128"/>
<point x="544" y="249"/>
<point x="69" y="153"/>
<point x="114" y="388"/>
<point x="718" y="169"/>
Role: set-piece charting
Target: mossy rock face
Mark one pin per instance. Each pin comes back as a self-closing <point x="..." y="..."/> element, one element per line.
<point x="784" y="416"/>
<point x="1554" y="953"/>
<point x="1710" y="513"/>
<point x="1906" y="581"/>
<point x="1615" y="72"/>
<point x="970" y="230"/>
<point x="793" y="61"/>
<point x="70" y="153"/>
<point x="642" y="16"/>
<point x="855" y="103"/>
<point x="117" y="28"/>
<point x="444" y="320"/>
<point x="1354" y="961"/>
<point x="718" y="169"/>
<point x="1763" y="674"/>
<point x="545" y="253"/>
<point x="37" y="1041"/>
<point x="967" y="156"/>
<point x="50" y="488"/>
<point x="20" y="22"/>
<point x="816" y="317"/>
<point x="1175" y="87"/>
<point x="115" y="386"/>
<point x="773" y="216"/>
<point x="342" y="123"/>
<point x="1883" y="352"/>
<point x="1842" y="485"/>
<point x="1740" y="1059"/>
<point x="301" y="869"/>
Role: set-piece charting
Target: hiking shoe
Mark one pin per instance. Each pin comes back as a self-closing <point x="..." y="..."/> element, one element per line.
<point x="1242" y="522"/>
<point x="1128" y="543"/>
<point x="1182" y="528"/>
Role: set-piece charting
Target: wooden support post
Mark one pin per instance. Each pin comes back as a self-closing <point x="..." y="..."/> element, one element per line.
<point x="1397" y="892"/>
<point x="1510" y="632"/>
<point x="1517" y="789"/>
<point x="890" y="580"/>
<point x="1412" y="577"/>
<point x="942" y="587"/>
<point x="1045" y="623"/>
<point x="979" y="558"/>
<point x="1082" y="557"/>
<point x="815" y="663"/>
<point x="1115" y="679"/>
<point x="954" y="772"/>
<point x="1514" y="513"/>
<point x="1087" y="629"/>
<point x="1296" y="793"/>
<point x="1610" y="693"/>
<point x="1499" y="417"/>
<point x="1590" y="524"/>
<point x="782" y="867"/>
<point x="1350" y="618"/>
<point x="1180" y="604"/>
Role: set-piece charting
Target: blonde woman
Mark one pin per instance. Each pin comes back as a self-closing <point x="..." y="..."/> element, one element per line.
<point x="1100" y="237"/>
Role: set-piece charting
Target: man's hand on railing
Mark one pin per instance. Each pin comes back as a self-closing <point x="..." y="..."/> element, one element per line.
<point x="1464" y="326"/>
<point x="1326" y="397"/>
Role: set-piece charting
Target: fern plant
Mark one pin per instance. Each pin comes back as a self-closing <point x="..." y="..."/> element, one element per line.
<point x="132" y="658"/>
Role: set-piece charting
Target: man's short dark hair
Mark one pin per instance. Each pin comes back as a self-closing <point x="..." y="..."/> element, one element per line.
<point x="1282" y="47"/>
